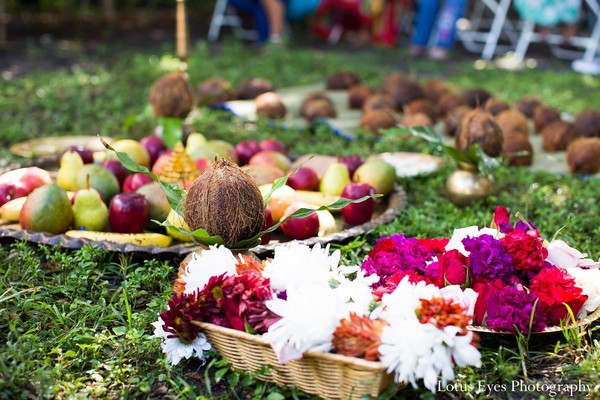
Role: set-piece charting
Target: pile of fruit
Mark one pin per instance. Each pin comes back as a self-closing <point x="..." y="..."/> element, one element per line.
<point x="93" y="196"/>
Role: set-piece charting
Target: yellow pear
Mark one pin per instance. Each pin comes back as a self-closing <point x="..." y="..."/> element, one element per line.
<point x="70" y="164"/>
<point x="177" y="220"/>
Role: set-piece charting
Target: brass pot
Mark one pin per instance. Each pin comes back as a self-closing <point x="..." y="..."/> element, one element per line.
<point x="466" y="186"/>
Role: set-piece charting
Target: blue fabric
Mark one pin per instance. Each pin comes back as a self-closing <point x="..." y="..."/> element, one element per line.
<point x="300" y="9"/>
<point x="258" y="13"/>
<point x="445" y="28"/>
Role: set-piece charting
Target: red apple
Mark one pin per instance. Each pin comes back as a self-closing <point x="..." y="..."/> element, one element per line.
<point x="10" y="191"/>
<point x="202" y="164"/>
<point x="128" y="212"/>
<point x="86" y="154"/>
<point x="117" y="169"/>
<point x="32" y="178"/>
<point x="300" y="228"/>
<point x="135" y="181"/>
<point x="358" y="213"/>
<point x="351" y="161"/>
<point x="304" y="179"/>
<point x="245" y="150"/>
<point x="154" y="146"/>
<point x="161" y="161"/>
<point x="267" y="223"/>
<point x="272" y="145"/>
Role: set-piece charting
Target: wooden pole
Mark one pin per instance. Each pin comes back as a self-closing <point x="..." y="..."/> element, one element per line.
<point x="181" y="34"/>
<point x="3" y="24"/>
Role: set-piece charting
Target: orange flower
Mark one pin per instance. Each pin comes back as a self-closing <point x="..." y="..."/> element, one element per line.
<point x="359" y="337"/>
<point x="442" y="313"/>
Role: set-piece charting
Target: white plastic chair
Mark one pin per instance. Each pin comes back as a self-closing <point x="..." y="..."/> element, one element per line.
<point x="225" y="15"/>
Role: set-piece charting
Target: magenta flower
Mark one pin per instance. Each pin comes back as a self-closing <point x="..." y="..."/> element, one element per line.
<point x="514" y="310"/>
<point x="489" y="259"/>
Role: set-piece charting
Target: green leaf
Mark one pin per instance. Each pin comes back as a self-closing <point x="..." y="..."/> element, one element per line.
<point x="120" y="330"/>
<point x="200" y="234"/>
<point x="275" y="396"/>
<point x="220" y="373"/>
<point x="174" y="193"/>
<point x="172" y="130"/>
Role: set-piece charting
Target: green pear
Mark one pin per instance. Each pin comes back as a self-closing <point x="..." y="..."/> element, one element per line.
<point x="334" y="180"/>
<point x="194" y="141"/>
<point x="47" y="209"/>
<point x="380" y="174"/>
<point x="89" y="211"/>
<point x="70" y="164"/>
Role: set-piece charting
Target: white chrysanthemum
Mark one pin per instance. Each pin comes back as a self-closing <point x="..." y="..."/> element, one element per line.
<point x="215" y="261"/>
<point x="455" y="242"/>
<point x="356" y="292"/>
<point x="413" y="351"/>
<point x="405" y="299"/>
<point x="466" y="298"/>
<point x="462" y="351"/>
<point x="177" y="350"/>
<point x="310" y="315"/>
<point x="296" y="262"/>
<point x="589" y="282"/>
<point x="564" y="256"/>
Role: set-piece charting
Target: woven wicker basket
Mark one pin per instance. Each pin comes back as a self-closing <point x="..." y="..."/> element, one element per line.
<point x="330" y="376"/>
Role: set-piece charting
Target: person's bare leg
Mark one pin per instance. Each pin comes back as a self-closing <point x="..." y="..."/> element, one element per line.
<point x="275" y="10"/>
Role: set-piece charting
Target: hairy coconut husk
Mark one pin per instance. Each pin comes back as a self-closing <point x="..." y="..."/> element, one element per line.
<point x="583" y="155"/>
<point x="515" y="144"/>
<point x="225" y="201"/>
<point x="449" y="101"/>
<point x="434" y="89"/>
<point x="172" y="95"/>
<point x="557" y="136"/>
<point x="452" y="120"/>
<point x="416" y="119"/>
<point x="318" y="109"/>
<point x="402" y="89"/>
<point x="527" y="104"/>
<point x="311" y="97"/>
<point x="378" y="101"/>
<point x="342" y="80"/>
<point x="269" y="105"/>
<point x="543" y="116"/>
<point x="357" y="95"/>
<point x="375" y="120"/>
<point x="251" y="88"/>
<point x="495" y="106"/>
<point x="587" y="123"/>
<point x="513" y="122"/>
<point x="423" y="106"/>
<point x="476" y="97"/>
<point x="479" y="127"/>
<point x="214" y="90"/>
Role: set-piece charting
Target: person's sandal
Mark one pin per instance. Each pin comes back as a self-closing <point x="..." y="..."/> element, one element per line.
<point x="437" y="53"/>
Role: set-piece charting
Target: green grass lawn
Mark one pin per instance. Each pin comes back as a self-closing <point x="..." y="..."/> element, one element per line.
<point x="76" y="323"/>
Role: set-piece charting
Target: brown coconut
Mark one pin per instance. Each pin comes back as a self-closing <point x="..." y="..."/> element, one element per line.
<point x="423" y="106"/>
<point x="513" y="122"/>
<point x="583" y="155"/>
<point x="476" y="97"/>
<point x="512" y="148"/>
<point x="402" y="89"/>
<point x="225" y="201"/>
<point x="416" y="119"/>
<point x="319" y="109"/>
<point x="213" y="91"/>
<point x="172" y="95"/>
<point x="587" y="123"/>
<point x="544" y="115"/>
<point x="449" y="101"/>
<point x="311" y="97"/>
<point x="357" y="95"/>
<point x="269" y="105"/>
<point x="377" y="102"/>
<point x="434" y="89"/>
<point x="495" y="106"/>
<point x="527" y="104"/>
<point x="342" y="80"/>
<point x="479" y="127"/>
<point x="251" y="88"/>
<point x="452" y="120"/>
<point x="557" y="136"/>
<point x="375" y="120"/>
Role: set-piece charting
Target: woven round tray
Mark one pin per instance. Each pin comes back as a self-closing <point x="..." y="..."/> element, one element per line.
<point x="330" y="376"/>
<point x="551" y="329"/>
<point x="387" y="209"/>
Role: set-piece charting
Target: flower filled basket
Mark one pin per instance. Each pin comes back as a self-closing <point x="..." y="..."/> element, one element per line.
<point x="330" y="376"/>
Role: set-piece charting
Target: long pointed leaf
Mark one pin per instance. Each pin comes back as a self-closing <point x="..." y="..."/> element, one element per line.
<point x="200" y="235"/>
<point x="172" y="130"/>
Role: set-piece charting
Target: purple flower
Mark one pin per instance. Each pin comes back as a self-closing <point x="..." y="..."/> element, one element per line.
<point x="489" y="259"/>
<point x="511" y="309"/>
<point x="396" y="253"/>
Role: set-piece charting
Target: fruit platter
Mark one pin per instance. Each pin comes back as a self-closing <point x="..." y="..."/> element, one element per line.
<point x="82" y="195"/>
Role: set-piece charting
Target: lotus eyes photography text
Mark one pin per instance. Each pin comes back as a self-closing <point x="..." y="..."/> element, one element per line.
<point x="550" y="389"/>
